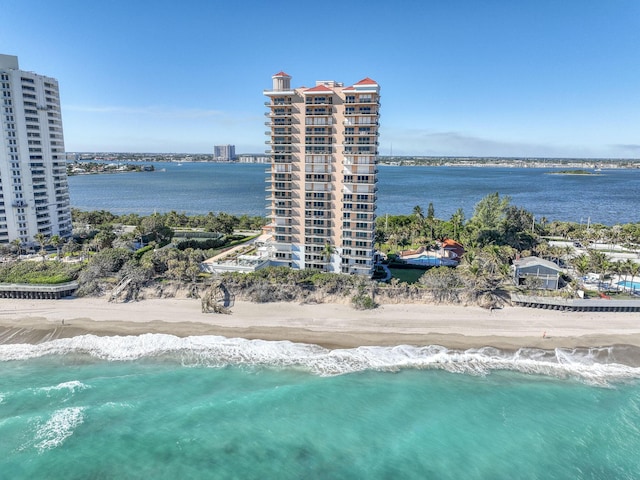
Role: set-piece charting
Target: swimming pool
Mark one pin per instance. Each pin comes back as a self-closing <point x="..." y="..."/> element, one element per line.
<point x="425" y="260"/>
<point x="629" y="284"/>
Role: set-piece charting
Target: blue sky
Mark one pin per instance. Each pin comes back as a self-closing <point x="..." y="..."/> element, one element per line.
<point x="458" y="78"/>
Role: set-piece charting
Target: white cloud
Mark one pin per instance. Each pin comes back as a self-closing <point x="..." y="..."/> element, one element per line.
<point x="454" y="143"/>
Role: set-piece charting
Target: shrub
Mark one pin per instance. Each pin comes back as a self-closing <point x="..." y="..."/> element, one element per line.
<point x="47" y="273"/>
<point x="362" y="301"/>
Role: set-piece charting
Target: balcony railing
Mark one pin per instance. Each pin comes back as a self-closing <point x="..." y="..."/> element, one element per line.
<point x="278" y="103"/>
<point x="278" y="114"/>
<point x="360" y="121"/>
<point x="350" y="113"/>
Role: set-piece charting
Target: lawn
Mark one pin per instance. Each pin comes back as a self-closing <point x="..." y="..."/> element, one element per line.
<point x="408" y="275"/>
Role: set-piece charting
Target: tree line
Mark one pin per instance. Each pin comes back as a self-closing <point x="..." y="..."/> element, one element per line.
<point x="495" y="234"/>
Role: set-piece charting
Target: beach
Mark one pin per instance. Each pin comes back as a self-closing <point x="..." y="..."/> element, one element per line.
<point x="329" y="325"/>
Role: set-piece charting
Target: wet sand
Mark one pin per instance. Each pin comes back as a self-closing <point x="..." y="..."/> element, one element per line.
<point x="329" y="325"/>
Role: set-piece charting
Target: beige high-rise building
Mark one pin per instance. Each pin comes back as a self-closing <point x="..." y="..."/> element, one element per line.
<point x="34" y="193"/>
<point x="323" y="178"/>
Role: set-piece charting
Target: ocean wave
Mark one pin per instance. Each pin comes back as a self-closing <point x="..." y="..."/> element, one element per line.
<point x="592" y="365"/>
<point x="72" y="386"/>
<point x="58" y="428"/>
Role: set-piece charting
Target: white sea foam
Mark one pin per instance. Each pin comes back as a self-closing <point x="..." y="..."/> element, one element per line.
<point x="72" y="386"/>
<point x="593" y="365"/>
<point x="58" y="428"/>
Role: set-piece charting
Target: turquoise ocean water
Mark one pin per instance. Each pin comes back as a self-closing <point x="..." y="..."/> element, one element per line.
<point x="161" y="407"/>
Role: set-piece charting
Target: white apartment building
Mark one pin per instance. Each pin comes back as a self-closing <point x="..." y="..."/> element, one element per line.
<point x="224" y="153"/>
<point x="34" y="194"/>
<point x="322" y="182"/>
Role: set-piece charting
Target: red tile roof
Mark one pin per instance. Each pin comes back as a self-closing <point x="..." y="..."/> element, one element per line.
<point x="282" y="74"/>
<point x="448" y="242"/>
<point x="367" y="81"/>
<point x="318" y="88"/>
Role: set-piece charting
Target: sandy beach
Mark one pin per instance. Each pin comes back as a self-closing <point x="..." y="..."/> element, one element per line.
<point x="329" y="325"/>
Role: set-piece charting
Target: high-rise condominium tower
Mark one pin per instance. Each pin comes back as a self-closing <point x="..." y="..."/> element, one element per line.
<point x="224" y="153"/>
<point x="323" y="175"/>
<point x="34" y="194"/>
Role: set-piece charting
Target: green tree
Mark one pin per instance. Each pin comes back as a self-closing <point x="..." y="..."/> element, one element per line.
<point x="41" y="238"/>
<point x="327" y="252"/>
<point x="484" y="227"/>
<point x="418" y="223"/>
<point x="431" y="220"/>
<point x="517" y="228"/>
<point x="17" y="244"/>
<point x="581" y="263"/>
<point x="105" y="237"/>
<point x="154" y="228"/>
<point x="457" y="221"/>
<point x="490" y="212"/>
<point x="57" y="241"/>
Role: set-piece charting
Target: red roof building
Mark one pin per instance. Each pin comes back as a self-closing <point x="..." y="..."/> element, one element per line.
<point x="322" y="184"/>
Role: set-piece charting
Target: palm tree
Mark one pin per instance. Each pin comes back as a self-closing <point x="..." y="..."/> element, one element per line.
<point x="418" y="222"/>
<point x="581" y="263"/>
<point x="600" y="263"/>
<point x="542" y="249"/>
<point x="57" y="241"/>
<point x="634" y="270"/>
<point x="42" y="240"/>
<point x="17" y="243"/>
<point x="327" y="251"/>
<point x="618" y="268"/>
<point x="418" y="212"/>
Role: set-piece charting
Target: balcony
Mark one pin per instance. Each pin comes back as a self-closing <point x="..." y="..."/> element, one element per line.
<point x="318" y="113"/>
<point x="323" y="168"/>
<point x="316" y="240"/>
<point x="325" y="208"/>
<point x="278" y="114"/>
<point x="372" y="152"/>
<point x="275" y="123"/>
<point x="309" y="133"/>
<point x="362" y="169"/>
<point x="319" y="102"/>
<point x="360" y="121"/>
<point x="280" y="150"/>
<point x="285" y="168"/>
<point x="363" y="101"/>
<point x="318" y="150"/>
<point x="360" y="143"/>
<point x="366" y="113"/>
<point x="283" y="238"/>
<point x="278" y="196"/>
<point x="278" y="102"/>
<point x="361" y="206"/>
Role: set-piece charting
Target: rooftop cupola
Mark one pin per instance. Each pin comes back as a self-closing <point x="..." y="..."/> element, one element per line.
<point x="281" y="82"/>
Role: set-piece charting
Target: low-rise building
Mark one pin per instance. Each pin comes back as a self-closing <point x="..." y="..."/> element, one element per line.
<point x="547" y="273"/>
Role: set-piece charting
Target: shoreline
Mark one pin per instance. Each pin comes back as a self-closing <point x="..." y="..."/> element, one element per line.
<point x="331" y="326"/>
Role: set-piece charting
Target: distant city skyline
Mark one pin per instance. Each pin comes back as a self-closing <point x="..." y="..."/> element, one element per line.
<point x="533" y="78"/>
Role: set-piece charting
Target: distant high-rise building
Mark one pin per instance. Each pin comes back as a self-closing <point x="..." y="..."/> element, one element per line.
<point x="323" y="175"/>
<point x="34" y="194"/>
<point x="224" y="153"/>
